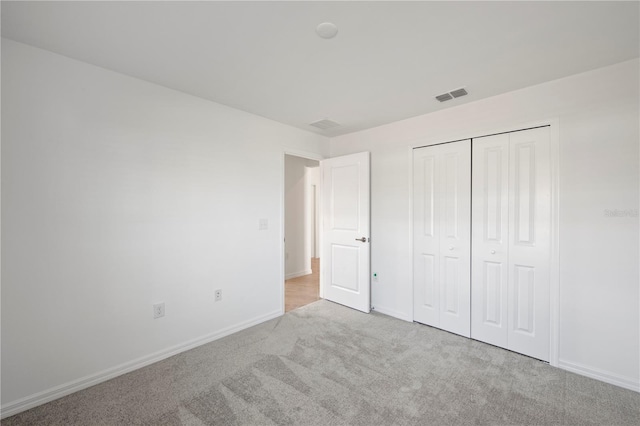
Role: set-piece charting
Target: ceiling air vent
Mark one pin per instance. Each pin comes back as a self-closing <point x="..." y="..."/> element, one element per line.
<point x="444" y="97"/>
<point x="457" y="93"/>
<point x="452" y="94"/>
<point x="324" y="124"/>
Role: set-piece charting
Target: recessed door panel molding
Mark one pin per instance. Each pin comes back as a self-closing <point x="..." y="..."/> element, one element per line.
<point x="451" y="185"/>
<point x="343" y="203"/>
<point x="490" y="215"/>
<point x="428" y="283"/>
<point x="344" y="267"/>
<point x="441" y="184"/>
<point x="492" y="287"/>
<point x="428" y="182"/>
<point x="524" y="300"/>
<point x="345" y="248"/>
<point x="492" y="193"/>
<point x="524" y="184"/>
<point x="451" y="284"/>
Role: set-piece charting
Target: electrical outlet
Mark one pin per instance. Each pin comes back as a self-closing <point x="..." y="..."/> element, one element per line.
<point x="218" y="295"/>
<point x="158" y="310"/>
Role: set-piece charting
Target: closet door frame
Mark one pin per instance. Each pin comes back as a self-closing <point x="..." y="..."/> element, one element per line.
<point x="554" y="163"/>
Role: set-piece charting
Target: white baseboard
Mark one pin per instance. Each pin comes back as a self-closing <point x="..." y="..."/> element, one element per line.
<point x="392" y="313"/>
<point x="603" y="376"/>
<point x="40" y="398"/>
<point x="298" y="274"/>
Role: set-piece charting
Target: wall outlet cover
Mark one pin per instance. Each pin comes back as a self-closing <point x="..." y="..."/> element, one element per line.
<point x="158" y="310"/>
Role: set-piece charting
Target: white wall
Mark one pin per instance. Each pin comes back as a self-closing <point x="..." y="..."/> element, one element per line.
<point x="294" y="216"/>
<point x="598" y="117"/>
<point x="312" y="179"/>
<point x="297" y="249"/>
<point x="116" y="194"/>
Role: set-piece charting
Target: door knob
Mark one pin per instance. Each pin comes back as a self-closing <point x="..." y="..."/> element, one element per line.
<point x="493" y="252"/>
<point x="362" y="240"/>
<point x="450" y="247"/>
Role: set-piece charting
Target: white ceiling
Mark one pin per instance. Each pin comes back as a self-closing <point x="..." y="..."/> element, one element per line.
<point x="387" y="62"/>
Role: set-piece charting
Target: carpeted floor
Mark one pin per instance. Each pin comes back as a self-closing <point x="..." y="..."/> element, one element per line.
<point x="324" y="364"/>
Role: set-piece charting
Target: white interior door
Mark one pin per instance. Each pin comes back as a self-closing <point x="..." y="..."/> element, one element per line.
<point x="511" y="241"/>
<point x="426" y="237"/>
<point x="345" y="243"/>
<point x="529" y="242"/>
<point x="490" y="213"/>
<point x="442" y="197"/>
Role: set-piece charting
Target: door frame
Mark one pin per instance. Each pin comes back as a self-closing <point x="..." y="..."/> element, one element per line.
<point x="309" y="156"/>
<point x="554" y="151"/>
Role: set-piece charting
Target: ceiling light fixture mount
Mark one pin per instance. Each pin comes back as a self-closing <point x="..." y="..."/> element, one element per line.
<point x="327" y="30"/>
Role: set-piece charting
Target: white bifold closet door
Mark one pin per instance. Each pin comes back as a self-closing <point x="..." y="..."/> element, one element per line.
<point x="441" y="226"/>
<point x="511" y="211"/>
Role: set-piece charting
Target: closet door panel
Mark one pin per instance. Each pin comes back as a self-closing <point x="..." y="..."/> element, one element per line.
<point x="529" y="242"/>
<point x="455" y="236"/>
<point x="426" y="240"/>
<point x="489" y="305"/>
<point x="441" y="227"/>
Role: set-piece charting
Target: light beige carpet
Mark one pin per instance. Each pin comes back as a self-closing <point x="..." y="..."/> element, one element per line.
<point x="325" y="364"/>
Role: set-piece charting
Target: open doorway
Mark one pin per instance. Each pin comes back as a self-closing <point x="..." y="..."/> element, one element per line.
<point x="301" y="231"/>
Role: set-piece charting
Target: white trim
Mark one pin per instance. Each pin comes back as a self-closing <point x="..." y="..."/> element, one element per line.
<point x="410" y="168"/>
<point x="283" y="184"/>
<point x="604" y="376"/>
<point x="298" y="274"/>
<point x="392" y="313"/>
<point x="319" y="208"/>
<point x="304" y="154"/>
<point x="554" y="282"/>
<point x="56" y="392"/>
<point x="554" y="264"/>
<point x="454" y="137"/>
